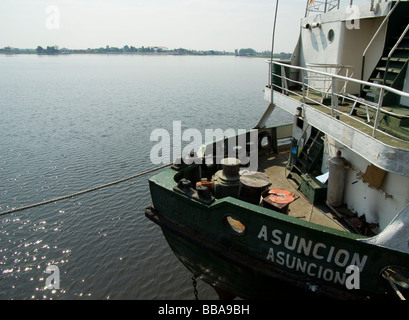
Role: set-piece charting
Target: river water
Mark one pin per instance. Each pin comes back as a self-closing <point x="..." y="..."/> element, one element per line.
<point x="72" y="122"/>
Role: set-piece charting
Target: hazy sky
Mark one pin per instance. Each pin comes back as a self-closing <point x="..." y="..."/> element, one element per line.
<point x="191" y="24"/>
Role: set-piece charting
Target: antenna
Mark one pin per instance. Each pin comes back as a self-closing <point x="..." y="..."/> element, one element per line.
<point x="274" y="31"/>
<point x="272" y="51"/>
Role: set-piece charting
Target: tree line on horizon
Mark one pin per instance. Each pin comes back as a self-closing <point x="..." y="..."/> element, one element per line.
<point x="249" y="52"/>
<point x="54" y="50"/>
<point x="131" y="49"/>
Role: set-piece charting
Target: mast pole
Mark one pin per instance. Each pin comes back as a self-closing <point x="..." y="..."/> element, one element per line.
<point x="272" y="46"/>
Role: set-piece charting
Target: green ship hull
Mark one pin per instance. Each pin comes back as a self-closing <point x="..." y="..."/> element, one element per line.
<point x="254" y="252"/>
<point x="342" y="230"/>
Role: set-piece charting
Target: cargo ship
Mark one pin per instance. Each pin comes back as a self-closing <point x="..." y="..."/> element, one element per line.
<point x="318" y="207"/>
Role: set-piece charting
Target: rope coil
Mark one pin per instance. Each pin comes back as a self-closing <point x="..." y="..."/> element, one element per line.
<point x="84" y="191"/>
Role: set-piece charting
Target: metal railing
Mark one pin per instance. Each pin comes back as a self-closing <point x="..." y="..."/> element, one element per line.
<point x="284" y="84"/>
<point x="324" y="6"/>
<point x="375" y="36"/>
<point x="323" y="84"/>
<point x="321" y="6"/>
<point x="393" y="51"/>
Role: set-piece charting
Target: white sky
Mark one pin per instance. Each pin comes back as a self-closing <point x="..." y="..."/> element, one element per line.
<point x="191" y="24"/>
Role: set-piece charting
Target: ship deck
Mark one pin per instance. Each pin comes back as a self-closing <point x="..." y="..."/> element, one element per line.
<point x="362" y="118"/>
<point x="274" y="166"/>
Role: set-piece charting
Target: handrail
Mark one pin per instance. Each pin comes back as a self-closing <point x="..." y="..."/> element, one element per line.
<point x="314" y="6"/>
<point x="393" y="51"/>
<point x="376" y="85"/>
<point x="334" y="103"/>
<point x="374" y="36"/>
<point x="349" y="72"/>
<point x="399" y="41"/>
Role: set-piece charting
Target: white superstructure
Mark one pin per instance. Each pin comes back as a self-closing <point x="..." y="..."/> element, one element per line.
<point x="348" y="78"/>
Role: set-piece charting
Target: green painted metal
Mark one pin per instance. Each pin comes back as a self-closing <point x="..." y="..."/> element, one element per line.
<point x="314" y="190"/>
<point x="309" y="157"/>
<point x="274" y="247"/>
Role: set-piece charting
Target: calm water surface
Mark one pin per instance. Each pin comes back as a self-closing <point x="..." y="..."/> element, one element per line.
<point x="69" y="123"/>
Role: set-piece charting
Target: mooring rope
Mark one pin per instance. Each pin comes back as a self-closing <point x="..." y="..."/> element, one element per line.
<point x="84" y="191"/>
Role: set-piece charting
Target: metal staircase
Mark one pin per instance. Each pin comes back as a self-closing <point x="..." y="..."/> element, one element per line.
<point x="391" y="68"/>
<point x="309" y="159"/>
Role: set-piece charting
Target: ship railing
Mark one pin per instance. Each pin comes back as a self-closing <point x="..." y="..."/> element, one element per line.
<point x="324" y="6"/>
<point x="321" y="6"/>
<point x="322" y="83"/>
<point x="388" y="60"/>
<point x="289" y="79"/>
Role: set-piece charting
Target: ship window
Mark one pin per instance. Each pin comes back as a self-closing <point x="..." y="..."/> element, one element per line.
<point x="265" y="142"/>
<point x="234" y="226"/>
<point x="331" y="35"/>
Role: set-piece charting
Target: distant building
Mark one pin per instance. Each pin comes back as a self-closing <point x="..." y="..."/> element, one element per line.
<point x="156" y="49"/>
<point x="8" y="49"/>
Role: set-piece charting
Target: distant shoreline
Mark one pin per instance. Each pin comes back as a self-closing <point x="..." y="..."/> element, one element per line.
<point x="134" y="54"/>
<point x="53" y="51"/>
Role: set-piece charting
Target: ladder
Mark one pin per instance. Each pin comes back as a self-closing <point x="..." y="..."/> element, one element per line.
<point x="309" y="159"/>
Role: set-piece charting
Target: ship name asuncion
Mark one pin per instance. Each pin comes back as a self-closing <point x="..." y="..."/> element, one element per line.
<point x="319" y="251"/>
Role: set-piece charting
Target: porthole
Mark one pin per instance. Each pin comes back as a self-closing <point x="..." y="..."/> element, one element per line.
<point x="234" y="226"/>
<point x="264" y="141"/>
<point x="331" y="35"/>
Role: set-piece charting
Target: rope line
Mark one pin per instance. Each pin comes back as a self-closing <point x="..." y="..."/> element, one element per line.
<point x="83" y="191"/>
